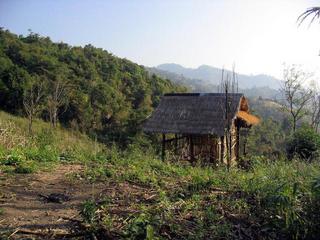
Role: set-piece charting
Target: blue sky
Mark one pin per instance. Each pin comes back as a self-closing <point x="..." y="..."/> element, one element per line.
<point x="257" y="35"/>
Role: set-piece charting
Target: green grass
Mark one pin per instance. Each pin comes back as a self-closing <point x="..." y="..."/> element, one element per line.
<point x="63" y="139"/>
<point x="23" y="153"/>
<point x="273" y="200"/>
<point x="152" y="199"/>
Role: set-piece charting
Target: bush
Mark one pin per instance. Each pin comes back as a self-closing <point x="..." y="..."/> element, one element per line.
<point x="304" y="143"/>
<point x="45" y="154"/>
<point x="13" y="159"/>
<point x="45" y="138"/>
<point x="25" y="168"/>
<point x="88" y="211"/>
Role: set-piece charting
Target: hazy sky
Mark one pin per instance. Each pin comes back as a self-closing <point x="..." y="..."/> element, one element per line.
<point x="257" y="35"/>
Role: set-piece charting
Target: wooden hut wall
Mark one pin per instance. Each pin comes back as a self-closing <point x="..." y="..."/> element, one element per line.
<point x="205" y="148"/>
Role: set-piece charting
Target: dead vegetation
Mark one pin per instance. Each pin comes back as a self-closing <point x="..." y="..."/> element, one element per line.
<point x="10" y="136"/>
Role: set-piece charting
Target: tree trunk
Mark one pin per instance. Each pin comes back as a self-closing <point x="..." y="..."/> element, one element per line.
<point x="55" y="118"/>
<point x="30" y="124"/>
<point x="222" y="149"/>
<point x="237" y="152"/>
<point x="294" y="124"/>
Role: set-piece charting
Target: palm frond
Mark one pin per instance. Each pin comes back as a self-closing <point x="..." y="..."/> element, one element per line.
<point x="315" y="11"/>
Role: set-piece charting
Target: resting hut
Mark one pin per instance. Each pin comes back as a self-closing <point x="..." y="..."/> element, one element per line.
<point x="202" y="126"/>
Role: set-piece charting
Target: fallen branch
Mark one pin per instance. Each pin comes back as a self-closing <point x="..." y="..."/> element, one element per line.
<point x="44" y="234"/>
<point x="17" y="230"/>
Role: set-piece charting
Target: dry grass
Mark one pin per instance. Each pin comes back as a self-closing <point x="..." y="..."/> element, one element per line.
<point x="14" y="133"/>
<point x="11" y="136"/>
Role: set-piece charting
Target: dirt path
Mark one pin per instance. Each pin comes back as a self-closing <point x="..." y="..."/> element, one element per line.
<point x="23" y="208"/>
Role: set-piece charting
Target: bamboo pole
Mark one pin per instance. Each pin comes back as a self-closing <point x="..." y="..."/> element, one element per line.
<point x="163" y="155"/>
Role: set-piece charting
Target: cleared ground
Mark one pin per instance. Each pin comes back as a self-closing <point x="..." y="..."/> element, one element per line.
<point x="25" y="209"/>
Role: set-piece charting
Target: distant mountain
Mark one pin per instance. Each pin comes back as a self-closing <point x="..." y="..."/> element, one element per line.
<point x="180" y="75"/>
<point x="212" y="75"/>
<point x="195" y="85"/>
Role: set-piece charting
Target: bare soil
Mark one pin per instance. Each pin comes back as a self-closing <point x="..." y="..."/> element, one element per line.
<point x="23" y="209"/>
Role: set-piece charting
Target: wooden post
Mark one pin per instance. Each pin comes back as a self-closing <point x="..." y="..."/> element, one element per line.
<point x="191" y="149"/>
<point x="230" y="149"/>
<point x="244" y="147"/>
<point x="237" y="142"/>
<point x="245" y="144"/>
<point x="163" y="155"/>
<point x="176" y="144"/>
<point x="222" y="149"/>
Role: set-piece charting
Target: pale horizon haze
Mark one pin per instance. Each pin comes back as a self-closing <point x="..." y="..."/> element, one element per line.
<point x="258" y="36"/>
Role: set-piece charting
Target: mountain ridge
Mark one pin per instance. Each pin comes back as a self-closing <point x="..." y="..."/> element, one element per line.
<point x="213" y="75"/>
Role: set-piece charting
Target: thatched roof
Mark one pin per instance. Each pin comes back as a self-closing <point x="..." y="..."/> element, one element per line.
<point x="194" y="113"/>
<point x="248" y="118"/>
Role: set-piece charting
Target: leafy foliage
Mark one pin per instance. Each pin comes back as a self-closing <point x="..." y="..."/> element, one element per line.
<point x="267" y="139"/>
<point x="22" y="153"/>
<point x="86" y="88"/>
<point x="304" y="143"/>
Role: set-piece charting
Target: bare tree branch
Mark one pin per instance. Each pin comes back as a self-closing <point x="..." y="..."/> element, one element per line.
<point x="32" y="100"/>
<point x="296" y="96"/>
<point x="56" y="99"/>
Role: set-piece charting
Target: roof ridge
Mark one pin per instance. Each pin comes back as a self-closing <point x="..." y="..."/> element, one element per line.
<point x="201" y="94"/>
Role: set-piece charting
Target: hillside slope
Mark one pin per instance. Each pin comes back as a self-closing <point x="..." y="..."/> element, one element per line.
<point x="99" y="93"/>
<point x="111" y="194"/>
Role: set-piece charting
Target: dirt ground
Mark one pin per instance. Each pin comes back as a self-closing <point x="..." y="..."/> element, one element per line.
<point x="24" y="209"/>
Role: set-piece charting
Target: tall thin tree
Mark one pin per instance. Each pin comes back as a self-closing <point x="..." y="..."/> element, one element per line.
<point x="296" y="96"/>
<point x="32" y="98"/>
<point x="57" y="98"/>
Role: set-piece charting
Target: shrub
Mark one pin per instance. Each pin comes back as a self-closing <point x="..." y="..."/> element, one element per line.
<point x="44" y="154"/>
<point x="304" y="143"/>
<point x="88" y="211"/>
<point x="140" y="227"/>
<point x="25" y="168"/>
<point x="45" y="138"/>
<point x="13" y="159"/>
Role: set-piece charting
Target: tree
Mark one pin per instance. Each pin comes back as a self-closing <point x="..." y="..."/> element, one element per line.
<point x="315" y="108"/>
<point x="296" y="96"/>
<point x="304" y="143"/>
<point x="229" y="84"/>
<point x="269" y="136"/>
<point x="32" y="97"/>
<point x="57" y="98"/>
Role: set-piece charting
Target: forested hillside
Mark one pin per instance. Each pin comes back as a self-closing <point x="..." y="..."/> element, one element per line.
<point x="86" y="88"/>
